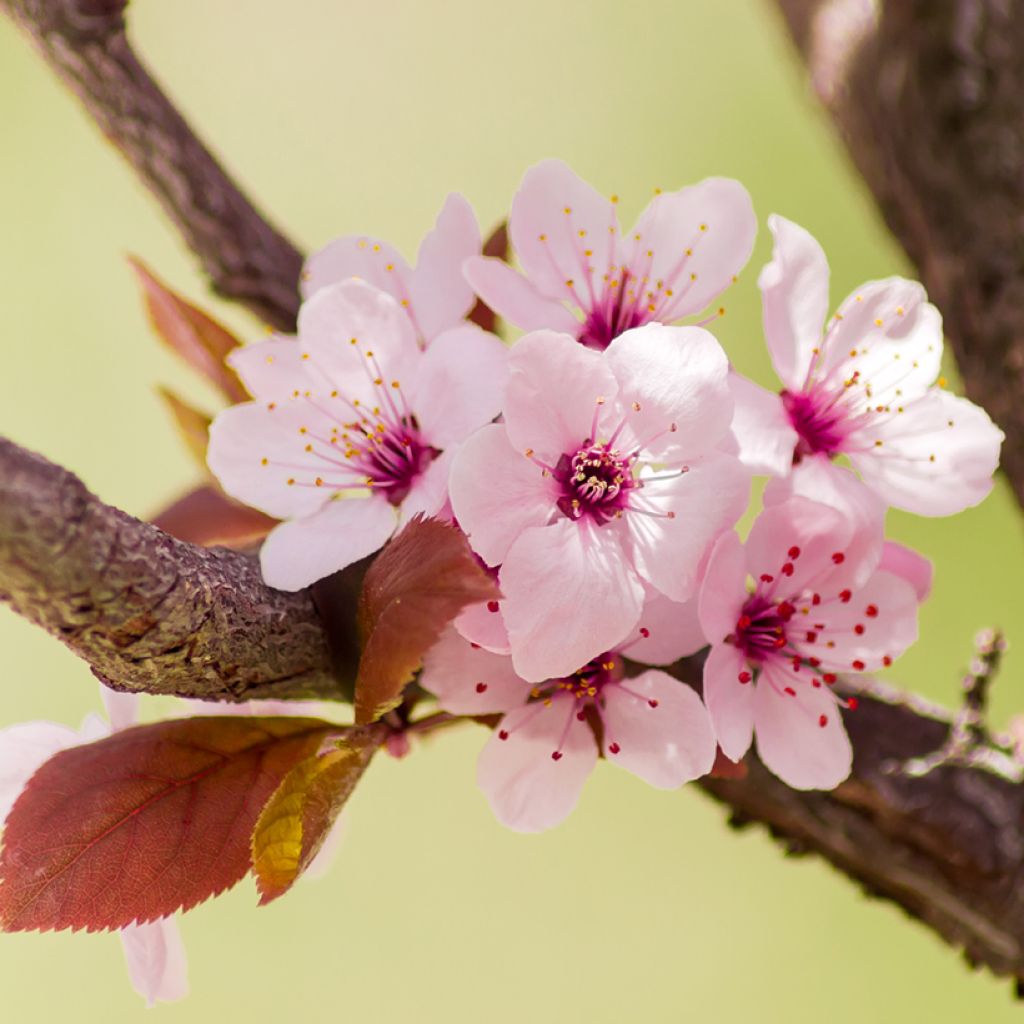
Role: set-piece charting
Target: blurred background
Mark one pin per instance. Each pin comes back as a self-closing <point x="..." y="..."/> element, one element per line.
<point x="342" y="118"/>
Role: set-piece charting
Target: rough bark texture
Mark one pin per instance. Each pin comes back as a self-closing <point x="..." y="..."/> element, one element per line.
<point x="247" y="260"/>
<point x="930" y="103"/>
<point x="148" y="612"/>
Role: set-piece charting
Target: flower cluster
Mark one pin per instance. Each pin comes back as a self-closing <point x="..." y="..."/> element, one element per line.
<point x="598" y="467"/>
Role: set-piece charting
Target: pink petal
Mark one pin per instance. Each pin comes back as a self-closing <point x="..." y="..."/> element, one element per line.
<point x="271" y="369"/>
<point x="673" y="375"/>
<point x="429" y="493"/>
<point x="384" y="347"/>
<point x="460" y="385"/>
<point x="122" y="708"/>
<point x="794" y="289"/>
<point x="243" y="436"/>
<point x="764" y="437"/>
<point x="156" y="961"/>
<point x="362" y="257"/>
<point x="496" y="493"/>
<point x="723" y="589"/>
<point x="715" y="221"/>
<point x="556" y="219"/>
<point x="703" y="502"/>
<point x="791" y="740"/>
<point x="527" y="788"/>
<point x="555" y="388"/>
<point x="569" y="596"/>
<point x="668" y="630"/>
<point x="484" y="625"/>
<point x="936" y="458"/>
<point x="321" y="864"/>
<point x="302" y="551"/>
<point x="514" y="297"/>
<point x="468" y="680"/>
<point x="24" y="748"/>
<point x="658" y="729"/>
<point x="730" y="703"/>
<point x="910" y="566"/>
<point x="440" y="295"/>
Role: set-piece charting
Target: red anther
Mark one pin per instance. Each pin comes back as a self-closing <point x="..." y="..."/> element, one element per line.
<point x="887" y="661"/>
<point x="786" y="611"/>
<point x="645" y="632"/>
<point x="871" y="611"/>
<point x="796" y="662"/>
<point x="790" y="691"/>
<point x="816" y="599"/>
<point x="794" y="552"/>
<point x="858" y="665"/>
<point x="581" y="716"/>
<point x="481" y="687"/>
<point x="823" y="720"/>
<point x="814" y="662"/>
<point x="492" y="606"/>
<point x="787" y="569"/>
<point x="652" y="703"/>
<point x="829" y="677"/>
<point x="845" y="595"/>
<point x="744" y="677"/>
<point x="780" y="642"/>
<point x="838" y="557"/>
<point x="556" y="755"/>
<point x="476" y="647"/>
<point x="767" y="577"/>
<point x="503" y="735"/>
<point x="744" y="622"/>
<point x="816" y="683"/>
<point x="613" y="748"/>
<point x="811" y="636"/>
<point x="852" y="703"/>
<point x="859" y="629"/>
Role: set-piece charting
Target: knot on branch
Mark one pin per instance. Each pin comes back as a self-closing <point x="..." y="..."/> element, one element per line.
<point x="77" y="21"/>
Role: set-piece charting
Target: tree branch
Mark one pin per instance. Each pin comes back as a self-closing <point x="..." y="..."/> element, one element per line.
<point x="929" y="99"/>
<point x="247" y="260"/>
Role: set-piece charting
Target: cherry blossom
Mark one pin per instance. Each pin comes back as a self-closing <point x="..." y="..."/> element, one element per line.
<point x="686" y="248"/>
<point x="604" y="475"/>
<point x="435" y="295"/>
<point x="533" y="768"/>
<point x="154" y="951"/>
<point x="353" y="429"/>
<point x="819" y="605"/>
<point x="866" y="387"/>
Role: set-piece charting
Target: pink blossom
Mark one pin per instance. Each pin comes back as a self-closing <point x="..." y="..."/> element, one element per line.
<point x="865" y="387"/>
<point x="353" y="429"/>
<point x="819" y="606"/>
<point x="154" y="952"/>
<point x="435" y="296"/>
<point x="533" y="768"/>
<point x="603" y="476"/>
<point x="686" y="248"/>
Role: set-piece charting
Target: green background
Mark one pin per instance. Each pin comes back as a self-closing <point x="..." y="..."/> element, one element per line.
<point x="343" y="118"/>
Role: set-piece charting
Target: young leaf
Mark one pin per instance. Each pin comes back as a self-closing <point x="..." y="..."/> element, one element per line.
<point x="415" y="587"/>
<point x="195" y="336"/>
<point x="193" y="425"/>
<point x="146" y="822"/>
<point x="300" y="814"/>
<point x="207" y="516"/>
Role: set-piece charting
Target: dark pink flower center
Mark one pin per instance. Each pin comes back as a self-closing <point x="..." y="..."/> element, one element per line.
<point x="619" y="309"/>
<point x="761" y="627"/>
<point x="392" y="459"/>
<point x="819" y="420"/>
<point x="595" y="483"/>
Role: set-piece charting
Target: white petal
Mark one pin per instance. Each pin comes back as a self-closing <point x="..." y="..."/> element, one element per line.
<point x="765" y="440"/>
<point x="668" y="630"/>
<point x="730" y="703"/>
<point x="468" y="680"/>
<point x="24" y="748"/>
<point x="156" y="961"/>
<point x="514" y="297"/>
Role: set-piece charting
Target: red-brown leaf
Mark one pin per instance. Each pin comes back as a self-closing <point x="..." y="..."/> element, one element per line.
<point x="416" y="586"/>
<point x="195" y="336"/>
<point x="207" y="516"/>
<point x="146" y="822"/>
<point x="193" y="425"/>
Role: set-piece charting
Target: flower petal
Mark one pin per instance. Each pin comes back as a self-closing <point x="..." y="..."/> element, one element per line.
<point x="122" y="708"/>
<point x="497" y="493"/>
<point x="273" y="369"/>
<point x="428" y="494"/>
<point x="570" y="595"/>
<point x="467" y="680"/>
<point x="528" y="789"/>
<point x="765" y="440"/>
<point x="688" y="246"/>
<point x="794" y="290"/>
<point x="730" y="703"/>
<point x="302" y="551"/>
<point x="23" y="749"/>
<point x="668" y="630"/>
<point x="514" y="297"/>
<point x="484" y="625"/>
<point x="910" y="566"/>
<point x="791" y="739"/>
<point x="362" y="257"/>
<point x="460" y="386"/>
<point x="658" y="729"/>
<point x="156" y="961"/>
<point x="723" y="589"/>
<point x="674" y="379"/>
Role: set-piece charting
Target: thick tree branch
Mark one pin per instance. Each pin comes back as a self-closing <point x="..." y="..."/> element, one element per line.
<point x="929" y="98"/>
<point x="247" y="260"/>
<point x="147" y="612"/>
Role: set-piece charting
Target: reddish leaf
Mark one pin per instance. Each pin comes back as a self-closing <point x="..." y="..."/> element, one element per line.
<point x="723" y="768"/>
<point x="300" y="814"/>
<point x="207" y="516"/>
<point x="195" y="336"/>
<point x="415" y="587"/>
<point x="497" y="246"/>
<point x="193" y="425"/>
<point x="145" y="822"/>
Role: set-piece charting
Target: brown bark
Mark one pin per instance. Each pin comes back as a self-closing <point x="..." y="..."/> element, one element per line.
<point x="930" y="103"/>
<point x="246" y="259"/>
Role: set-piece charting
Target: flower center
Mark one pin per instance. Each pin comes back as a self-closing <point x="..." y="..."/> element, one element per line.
<point x="392" y="456"/>
<point x="595" y="483"/>
<point x="761" y="627"/>
<point x="818" y="419"/>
